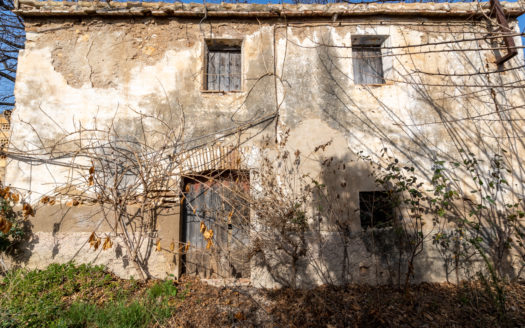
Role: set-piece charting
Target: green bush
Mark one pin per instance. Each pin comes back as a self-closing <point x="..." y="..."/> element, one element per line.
<point x="13" y="226"/>
<point x="165" y="288"/>
<point x="117" y="315"/>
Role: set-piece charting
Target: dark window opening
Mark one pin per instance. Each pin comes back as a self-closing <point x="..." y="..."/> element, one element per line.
<point x="223" y="65"/>
<point x="376" y="209"/>
<point x="367" y="59"/>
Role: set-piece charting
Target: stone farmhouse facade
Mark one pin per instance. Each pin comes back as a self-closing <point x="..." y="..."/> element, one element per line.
<point x="420" y="79"/>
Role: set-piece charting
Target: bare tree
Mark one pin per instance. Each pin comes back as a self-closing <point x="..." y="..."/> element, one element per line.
<point x="126" y="173"/>
<point x="12" y="38"/>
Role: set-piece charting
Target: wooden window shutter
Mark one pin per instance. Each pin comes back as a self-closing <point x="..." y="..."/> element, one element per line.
<point x="368" y="65"/>
<point x="212" y="72"/>
<point x="235" y="70"/>
<point x="224" y="69"/>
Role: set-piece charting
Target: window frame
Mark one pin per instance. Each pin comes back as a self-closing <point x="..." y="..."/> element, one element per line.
<point x="224" y="45"/>
<point x="368" y="41"/>
<point x="242" y="176"/>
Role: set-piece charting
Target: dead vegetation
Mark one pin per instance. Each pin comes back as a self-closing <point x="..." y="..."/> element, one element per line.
<point x="426" y="305"/>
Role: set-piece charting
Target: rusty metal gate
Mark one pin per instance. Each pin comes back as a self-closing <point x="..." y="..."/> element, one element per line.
<point x="220" y="202"/>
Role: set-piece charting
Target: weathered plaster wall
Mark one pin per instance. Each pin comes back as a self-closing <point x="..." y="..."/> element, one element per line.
<point x="77" y="71"/>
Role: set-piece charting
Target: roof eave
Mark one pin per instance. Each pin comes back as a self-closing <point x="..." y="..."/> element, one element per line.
<point x="31" y="8"/>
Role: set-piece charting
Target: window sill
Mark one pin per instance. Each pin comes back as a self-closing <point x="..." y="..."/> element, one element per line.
<point x="376" y="84"/>
<point x="372" y="229"/>
<point x="221" y="92"/>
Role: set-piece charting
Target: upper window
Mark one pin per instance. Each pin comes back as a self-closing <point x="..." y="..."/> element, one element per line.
<point x="376" y="209"/>
<point x="367" y="59"/>
<point x="223" y="65"/>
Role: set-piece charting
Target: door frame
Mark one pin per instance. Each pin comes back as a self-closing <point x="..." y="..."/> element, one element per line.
<point x="203" y="176"/>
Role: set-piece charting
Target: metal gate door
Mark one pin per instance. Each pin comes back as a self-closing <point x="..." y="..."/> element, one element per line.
<point x="220" y="202"/>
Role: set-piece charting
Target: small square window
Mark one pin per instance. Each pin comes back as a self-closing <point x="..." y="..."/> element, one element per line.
<point x="367" y="59"/>
<point x="376" y="209"/>
<point x="223" y="65"/>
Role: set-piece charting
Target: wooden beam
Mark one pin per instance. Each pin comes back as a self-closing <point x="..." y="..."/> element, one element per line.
<point x="497" y="10"/>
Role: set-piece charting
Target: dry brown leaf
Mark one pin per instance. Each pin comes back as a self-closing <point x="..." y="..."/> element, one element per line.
<point x="52" y="201"/>
<point x="44" y="200"/>
<point x="208" y="234"/>
<point x="240" y="316"/>
<point x="27" y="210"/>
<point x="172" y="246"/>
<point x="91" y="180"/>
<point x="92" y="238"/>
<point x="97" y="243"/>
<point x="5" y="225"/>
<point x="209" y="244"/>
<point x="107" y="244"/>
<point x="203" y="227"/>
<point x="75" y="202"/>
<point x="158" y="248"/>
<point x="187" y="247"/>
<point x="15" y="197"/>
<point x="91" y="170"/>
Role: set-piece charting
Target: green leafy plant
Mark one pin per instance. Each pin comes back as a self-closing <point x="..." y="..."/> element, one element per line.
<point x="484" y="223"/>
<point x="403" y="189"/>
<point x="165" y="288"/>
<point x="69" y="295"/>
<point x="477" y="217"/>
<point x="13" y="224"/>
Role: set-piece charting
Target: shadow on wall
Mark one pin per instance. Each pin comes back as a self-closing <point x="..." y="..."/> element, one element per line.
<point x="322" y="241"/>
<point x="356" y="237"/>
<point x="61" y="233"/>
<point x="332" y="247"/>
<point x="341" y="256"/>
<point x="20" y="252"/>
<point x="337" y="250"/>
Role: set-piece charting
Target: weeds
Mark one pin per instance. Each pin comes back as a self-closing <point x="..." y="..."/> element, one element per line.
<point x="69" y="295"/>
<point x="93" y="298"/>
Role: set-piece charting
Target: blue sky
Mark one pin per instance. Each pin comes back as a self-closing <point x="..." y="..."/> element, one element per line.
<point x="6" y="87"/>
